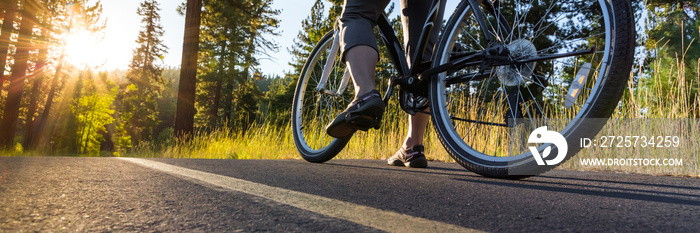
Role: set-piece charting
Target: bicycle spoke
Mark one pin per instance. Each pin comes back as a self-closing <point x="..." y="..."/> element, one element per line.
<point x="534" y="99"/>
<point x="571" y="64"/>
<point x="539" y="32"/>
<point x="475" y="40"/>
<point x="483" y="102"/>
<point x="512" y="113"/>
<point x="560" y="43"/>
<point x="549" y="10"/>
<point x="519" y="136"/>
<point x="516" y="24"/>
<point x="561" y="90"/>
<point x="549" y="42"/>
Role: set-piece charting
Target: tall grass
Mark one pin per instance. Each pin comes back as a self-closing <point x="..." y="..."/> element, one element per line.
<point x="670" y="96"/>
<point x="266" y="140"/>
<point x="662" y="132"/>
<point x="663" y="103"/>
<point x="262" y="141"/>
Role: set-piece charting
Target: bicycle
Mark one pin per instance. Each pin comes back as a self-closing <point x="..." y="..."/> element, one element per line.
<point x="499" y="70"/>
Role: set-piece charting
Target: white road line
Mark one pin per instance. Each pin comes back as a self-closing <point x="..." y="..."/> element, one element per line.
<point x="364" y="215"/>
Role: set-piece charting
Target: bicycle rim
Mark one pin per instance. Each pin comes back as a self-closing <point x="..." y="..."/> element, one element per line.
<point x="314" y="109"/>
<point x="485" y="122"/>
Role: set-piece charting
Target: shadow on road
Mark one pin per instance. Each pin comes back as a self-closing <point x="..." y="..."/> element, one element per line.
<point x="625" y="182"/>
<point x="653" y="191"/>
<point x="630" y="191"/>
<point x="428" y="170"/>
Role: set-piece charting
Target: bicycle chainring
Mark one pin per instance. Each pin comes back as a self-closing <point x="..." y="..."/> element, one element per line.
<point x="412" y="103"/>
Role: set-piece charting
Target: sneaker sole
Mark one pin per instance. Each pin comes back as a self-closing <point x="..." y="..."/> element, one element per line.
<point x="350" y="125"/>
<point x="395" y="163"/>
<point x="364" y="118"/>
<point x="419" y="163"/>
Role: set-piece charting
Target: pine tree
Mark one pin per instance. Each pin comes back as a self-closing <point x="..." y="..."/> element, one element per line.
<point x="314" y="27"/>
<point x="10" y="8"/>
<point x="58" y="17"/>
<point x="92" y="112"/>
<point x="312" y="30"/>
<point x="184" y="116"/>
<point x="145" y="81"/>
<point x="8" y="126"/>
<point x="233" y="39"/>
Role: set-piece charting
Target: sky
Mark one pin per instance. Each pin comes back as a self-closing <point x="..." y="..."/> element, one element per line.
<point x="123" y="25"/>
<point x="122" y="28"/>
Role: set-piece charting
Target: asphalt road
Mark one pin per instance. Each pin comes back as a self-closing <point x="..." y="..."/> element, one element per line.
<point x="111" y="194"/>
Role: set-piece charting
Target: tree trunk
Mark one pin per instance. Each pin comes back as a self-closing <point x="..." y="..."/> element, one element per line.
<point x="184" y="117"/>
<point x="214" y="111"/>
<point x="43" y="118"/>
<point x="8" y="126"/>
<point x="228" y="101"/>
<point x="37" y="86"/>
<point x="227" y="92"/>
<point x="7" y="27"/>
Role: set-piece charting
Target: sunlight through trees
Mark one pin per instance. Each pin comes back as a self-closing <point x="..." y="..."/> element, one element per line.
<point x="56" y="96"/>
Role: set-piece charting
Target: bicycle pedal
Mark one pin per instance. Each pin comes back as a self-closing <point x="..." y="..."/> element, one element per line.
<point x="362" y="122"/>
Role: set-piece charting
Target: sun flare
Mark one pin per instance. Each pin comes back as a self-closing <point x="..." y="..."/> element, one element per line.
<point x="84" y="48"/>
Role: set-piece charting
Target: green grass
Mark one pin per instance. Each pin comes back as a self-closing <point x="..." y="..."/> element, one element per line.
<point x="265" y="140"/>
<point x="668" y="104"/>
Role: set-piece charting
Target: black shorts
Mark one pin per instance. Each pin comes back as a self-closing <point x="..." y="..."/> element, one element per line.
<point x="360" y="16"/>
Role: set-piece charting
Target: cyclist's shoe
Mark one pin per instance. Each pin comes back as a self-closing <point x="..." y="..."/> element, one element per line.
<point x="363" y="113"/>
<point x="413" y="157"/>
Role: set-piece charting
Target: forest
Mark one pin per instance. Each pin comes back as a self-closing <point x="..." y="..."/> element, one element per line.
<point x="219" y="103"/>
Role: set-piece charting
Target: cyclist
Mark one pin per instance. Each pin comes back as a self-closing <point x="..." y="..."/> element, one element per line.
<point x="359" y="52"/>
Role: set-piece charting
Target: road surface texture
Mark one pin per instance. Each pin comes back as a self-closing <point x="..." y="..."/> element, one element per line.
<point x="114" y="194"/>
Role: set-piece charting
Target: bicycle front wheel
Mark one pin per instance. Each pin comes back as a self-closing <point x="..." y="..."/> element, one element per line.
<point x="322" y="92"/>
<point x="578" y="58"/>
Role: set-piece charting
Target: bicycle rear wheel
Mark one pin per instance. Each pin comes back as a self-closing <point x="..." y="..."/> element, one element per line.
<point x="317" y="102"/>
<point x="484" y="117"/>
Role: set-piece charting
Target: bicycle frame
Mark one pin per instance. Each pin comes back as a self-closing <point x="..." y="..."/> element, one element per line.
<point x="398" y="56"/>
<point x="495" y="55"/>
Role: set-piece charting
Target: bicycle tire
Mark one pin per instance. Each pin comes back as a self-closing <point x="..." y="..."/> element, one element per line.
<point x="309" y="133"/>
<point x="603" y="97"/>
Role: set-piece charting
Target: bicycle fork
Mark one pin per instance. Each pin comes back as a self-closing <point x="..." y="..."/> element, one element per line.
<point x="328" y="68"/>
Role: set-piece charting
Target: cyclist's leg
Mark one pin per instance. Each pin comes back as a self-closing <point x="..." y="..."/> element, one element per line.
<point x="363" y="59"/>
<point x="416" y="129"/>
<point x="359" y="52"/>
<point x="359" y="47"/>
<point x="413" y="17"/>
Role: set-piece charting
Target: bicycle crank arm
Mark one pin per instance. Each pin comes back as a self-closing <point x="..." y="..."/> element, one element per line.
<point x="403" y="82"/>
<point x="389" y="90"/>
